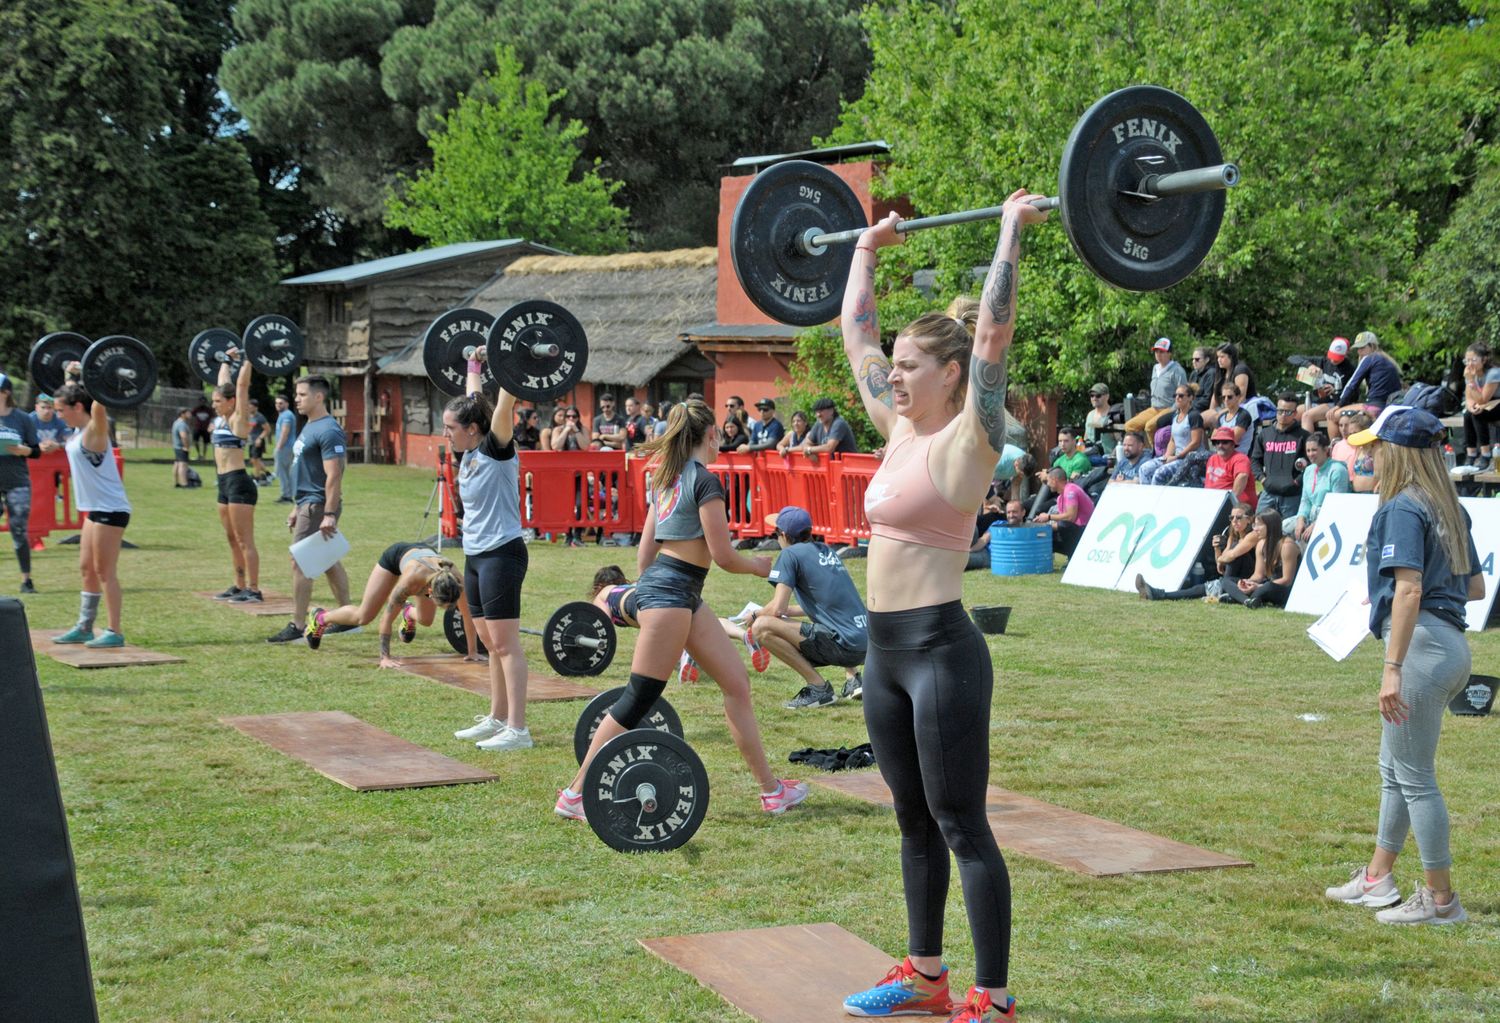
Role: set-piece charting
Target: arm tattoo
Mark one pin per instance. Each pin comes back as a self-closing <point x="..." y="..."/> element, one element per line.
<point x="385" y="644"/>
<point x="865" y="312"/>
<point x="874" y="372"/>
<point x="988" y="381"/>
<point x="999" y="291"/>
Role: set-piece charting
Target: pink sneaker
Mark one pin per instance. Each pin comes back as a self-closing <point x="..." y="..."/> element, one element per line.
<point x="687" y="669"/>
<point x="760" y="657"/>
<point x="408" y="619"/>
<point x="568" y="806"/>
<point x="789" y="793"/>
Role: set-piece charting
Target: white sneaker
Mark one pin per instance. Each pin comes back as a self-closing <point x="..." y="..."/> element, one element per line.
<point x="1357" y="891"/>
<point x="509" y="738"/>
<point x="484" y="726"/>
<point x="1422" y="908"/>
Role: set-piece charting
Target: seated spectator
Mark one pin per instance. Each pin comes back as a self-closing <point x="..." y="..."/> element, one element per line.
<point x="1233" y="414"/>
<point x="1377" y="370"/>
<point x="1071" y="514"/>
<point x="1481" y="407"/>
<point x="795" y="436"/>
<point x="527" y="435"/>
<point x="766" y="432"/>
<point x="1324" y="475"/>
<point x="1276" y="558"/>
<point x="1234" y="559"/>
<point x="1321" y="403"/>
<point x="1132" y="458"/>
<point x="830" y="434"/>
<point x="569" y="436"/>
<point x="1231" y="370"/>
<point x="1204" y="379"/>
<point x="1100" y="421"/>
<point x="608" y="431"/>
<point x="1278" y="457"/>
<point x="1187" y="450"/>
<point x="1229" y="469"/>
<point x="1067" y="456"/>
<point x="1167" y="376"/>
<point x="1358" y="461"/>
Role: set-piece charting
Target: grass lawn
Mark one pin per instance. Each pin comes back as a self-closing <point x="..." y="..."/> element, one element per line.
<point x="223" y="881"/>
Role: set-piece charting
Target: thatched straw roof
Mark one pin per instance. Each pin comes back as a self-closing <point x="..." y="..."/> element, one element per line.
<point x="634" y="307"/>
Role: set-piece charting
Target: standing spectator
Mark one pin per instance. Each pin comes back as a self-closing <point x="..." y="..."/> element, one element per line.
<point x="1334" y="369"/>
<point x="554" y="423"/>
<point x="51" y="432"/>
<point x="767" y="431"/>
<point x="608" y="433"/>
<point x="659" y="427"/>
<point x="1481" y="407"/>
<point x="1073" y="511"/>
<point x="1323" y="476"/>
<point x="734" y="408"/>
<point x="1230" y="370"/>
<point x="830" y="433"/>
<point x="1229" y="469"/>
<point x="794" y="437"/>
<point x="637" y="423"/>
<point x="1096" y="424"/>
<point x="732" y="436"/>
<point x="260" y="428"/>
<point x="569" y="436"/>
<point x="527" y="436"/>
<point x="182" y="441"/>
<point x="1377" y="370"/>
<point x="286" y="438"/>
<point x="1278" y="457"/>
<point x="318" y="463"/>
<point x="1132" y="458"/>
<point x="1167" y="377"/>
<point x="203" y="418"/>
<point x="1186" y="449"/>
<point x="18" y="442"/>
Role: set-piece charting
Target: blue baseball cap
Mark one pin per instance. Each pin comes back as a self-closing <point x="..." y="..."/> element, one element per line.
<point x="791" y="520"/>
<point x="1403" y="425"/>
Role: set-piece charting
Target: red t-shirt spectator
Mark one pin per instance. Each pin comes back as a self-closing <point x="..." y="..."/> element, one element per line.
<point x="1073" y="495"/>
<point x="1221" y="471"/>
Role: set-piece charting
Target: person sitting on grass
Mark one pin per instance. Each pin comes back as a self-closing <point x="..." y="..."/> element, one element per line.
<point x="1276" y="557"/>
<point x="1234" y="559"/>
<point x="1071" y="514"/>
<point x="1324" y="475"/>
<point x="834" y="632"/>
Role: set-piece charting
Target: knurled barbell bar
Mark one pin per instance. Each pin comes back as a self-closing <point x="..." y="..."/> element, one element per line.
<point x="536" y="350"/>
<point x="1140" y="190"/>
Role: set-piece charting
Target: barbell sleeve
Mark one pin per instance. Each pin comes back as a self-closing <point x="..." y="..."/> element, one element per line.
<point x="1153" y="186"/>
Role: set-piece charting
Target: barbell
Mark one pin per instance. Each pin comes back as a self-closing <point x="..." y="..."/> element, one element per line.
<point x="1140" y="191"/>
<point x="645" y="791"/>
<point x="536" y="350"/>
<point x="273" y="344"/>
<point x="578" y="639"/>
<point x="117" y="371"/>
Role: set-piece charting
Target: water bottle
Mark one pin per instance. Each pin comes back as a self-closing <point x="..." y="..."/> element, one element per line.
<point x="1449" y="457"/>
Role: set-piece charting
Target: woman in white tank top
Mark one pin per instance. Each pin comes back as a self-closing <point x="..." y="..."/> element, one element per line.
<point x="99" y="492"/>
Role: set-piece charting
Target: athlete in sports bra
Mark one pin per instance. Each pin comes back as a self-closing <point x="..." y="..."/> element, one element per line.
<point x="237" y="493"/>
<point x="939" y="401"/>
<point x="412" y="581"/>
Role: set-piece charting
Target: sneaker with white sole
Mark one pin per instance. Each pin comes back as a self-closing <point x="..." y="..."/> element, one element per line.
<point x="510" y="738"/>
<point x="77" y="634"/>
<point x="687" y="668"/>
<point x="854" y="687"/>
<point x="812" y="696"/>
<point x="760" y="657"/>
<point x="903" y="992"/>
<point x="1422" y="908"/>
<point x="1359" y="891"/>
<point x="483" y="727"/>
<point x="789" y="792"/>
<point x="569" y="805"/>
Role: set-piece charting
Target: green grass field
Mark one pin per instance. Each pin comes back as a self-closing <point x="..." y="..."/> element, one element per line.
<point x="223" y="881"/>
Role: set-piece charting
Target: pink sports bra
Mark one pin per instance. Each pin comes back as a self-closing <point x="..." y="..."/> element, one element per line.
<point x="904" y="503"/>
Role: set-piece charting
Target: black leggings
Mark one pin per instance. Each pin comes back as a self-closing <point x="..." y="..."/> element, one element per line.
<point x="1268" y="592"/>
<point x="928" y="680"/>
<point x="1482" y="428"/>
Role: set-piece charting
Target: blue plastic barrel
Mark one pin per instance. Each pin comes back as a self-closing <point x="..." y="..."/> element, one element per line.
<point x="1020" y="550"/>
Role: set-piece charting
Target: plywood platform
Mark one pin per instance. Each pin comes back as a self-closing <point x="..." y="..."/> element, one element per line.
<point x="1065" y="838"/>
<point x="355" y="754"/>
<point x="815" y="966"/>
<point x="453" y="670"/>
<point x="80" y="656"/>
<point x="276" y="605"/>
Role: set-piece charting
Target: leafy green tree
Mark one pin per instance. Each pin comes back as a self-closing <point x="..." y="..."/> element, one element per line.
<point x="1460" y="274"/>
<point x="503" y="168"/>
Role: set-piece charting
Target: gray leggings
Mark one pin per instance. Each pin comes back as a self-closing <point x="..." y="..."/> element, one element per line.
<point x="1436" y="667"/>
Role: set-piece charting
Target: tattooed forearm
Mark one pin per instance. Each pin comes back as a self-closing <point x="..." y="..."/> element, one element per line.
<point x="385" y="644"/>
<point x="999" y="291"/>
<point x="875" y="373"/>
<point x="988" y="381"/>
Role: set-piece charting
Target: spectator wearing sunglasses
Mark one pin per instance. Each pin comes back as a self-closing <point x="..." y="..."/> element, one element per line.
<point x="1278" y="457"/>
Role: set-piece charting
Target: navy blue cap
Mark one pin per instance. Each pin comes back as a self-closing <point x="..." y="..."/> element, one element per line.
<point x="791" y="520"/>
<point x="1403" y="425"/>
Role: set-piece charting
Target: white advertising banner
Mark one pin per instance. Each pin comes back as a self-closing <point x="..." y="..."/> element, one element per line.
<point x="1335" y="556"/>
<point x="1156" y="531"/>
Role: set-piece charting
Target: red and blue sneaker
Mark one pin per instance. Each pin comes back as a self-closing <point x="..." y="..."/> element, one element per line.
<point x="978" y="1008"/>
<point x="903" y="992"/>
<point x="408" y="630"/>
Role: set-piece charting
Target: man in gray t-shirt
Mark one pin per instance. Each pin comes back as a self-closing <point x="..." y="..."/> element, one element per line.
<point x="835" y="631"/>
<point x="830" y="433"/>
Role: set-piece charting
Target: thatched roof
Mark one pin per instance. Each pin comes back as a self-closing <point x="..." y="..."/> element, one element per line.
<point x="633" y="307"/>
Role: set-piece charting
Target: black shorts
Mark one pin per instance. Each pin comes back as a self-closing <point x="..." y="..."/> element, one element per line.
<point x="390" y="558"/>
<point x="257" y="449"/>
<point x="237" y="487"/>
<point x="179" y="454"/>
<point x="492" y="581"/>
<point x="117" y="519"/>
<point x="821" y="646"/>
<point x="670" y="582"/>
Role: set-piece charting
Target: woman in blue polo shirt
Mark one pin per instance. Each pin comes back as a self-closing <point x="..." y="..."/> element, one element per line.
<point x="1422" y="569"/>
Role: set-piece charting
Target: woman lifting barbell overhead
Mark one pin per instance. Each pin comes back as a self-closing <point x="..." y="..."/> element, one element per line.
<point x="939" y="401"/>
<point x="495" y="558"/>
<point x="237" y="491"/>
<point x="97" y="487"/>
<point x="411" y="581"/>
<point x="685" y="532"/>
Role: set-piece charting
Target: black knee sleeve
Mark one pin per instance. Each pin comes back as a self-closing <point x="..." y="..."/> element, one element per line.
<point x="636" y="701"/>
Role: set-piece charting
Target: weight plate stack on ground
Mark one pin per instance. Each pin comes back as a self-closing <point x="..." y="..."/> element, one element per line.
<point x="445" y="345"/>
<point x="274" y="345"/>
<point x="662" y="718"/>
<point x="1130" y="240"/>
<point x="119" y="371"/>
<point x="204" y="349"/>
<point x="49" y="355"/>
<point x="453" y="628"/>
<point x="579" y="639"/>
<point x="776" y="210"/>
<point x="538" y="350"/>
<point x="645" y="791"/>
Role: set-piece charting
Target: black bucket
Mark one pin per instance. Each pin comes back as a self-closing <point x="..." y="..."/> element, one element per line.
<point x="1475" y="699"/>
<point x="990" y="618"/>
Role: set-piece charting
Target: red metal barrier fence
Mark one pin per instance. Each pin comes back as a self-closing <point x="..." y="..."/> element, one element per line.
<point x="52" y="505"/>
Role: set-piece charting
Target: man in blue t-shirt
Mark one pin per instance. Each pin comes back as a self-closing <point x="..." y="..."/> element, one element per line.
<point x="835" y="631"/>
<point x="18" y="442"/>
<point x="318" y="468"/>
<point x="286" y="436"/>
<point x="767" y="431"/>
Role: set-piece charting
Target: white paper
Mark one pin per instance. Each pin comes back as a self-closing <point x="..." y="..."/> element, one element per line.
<point x="1344" y="627"/>
<point x="745" y="613"/>
<point x="315" y="555"/>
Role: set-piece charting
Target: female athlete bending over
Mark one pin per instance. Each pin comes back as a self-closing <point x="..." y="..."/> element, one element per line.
<point x="412" y="580"/>
<point x="685" y="531"/>
<point x="940" y="403"/>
